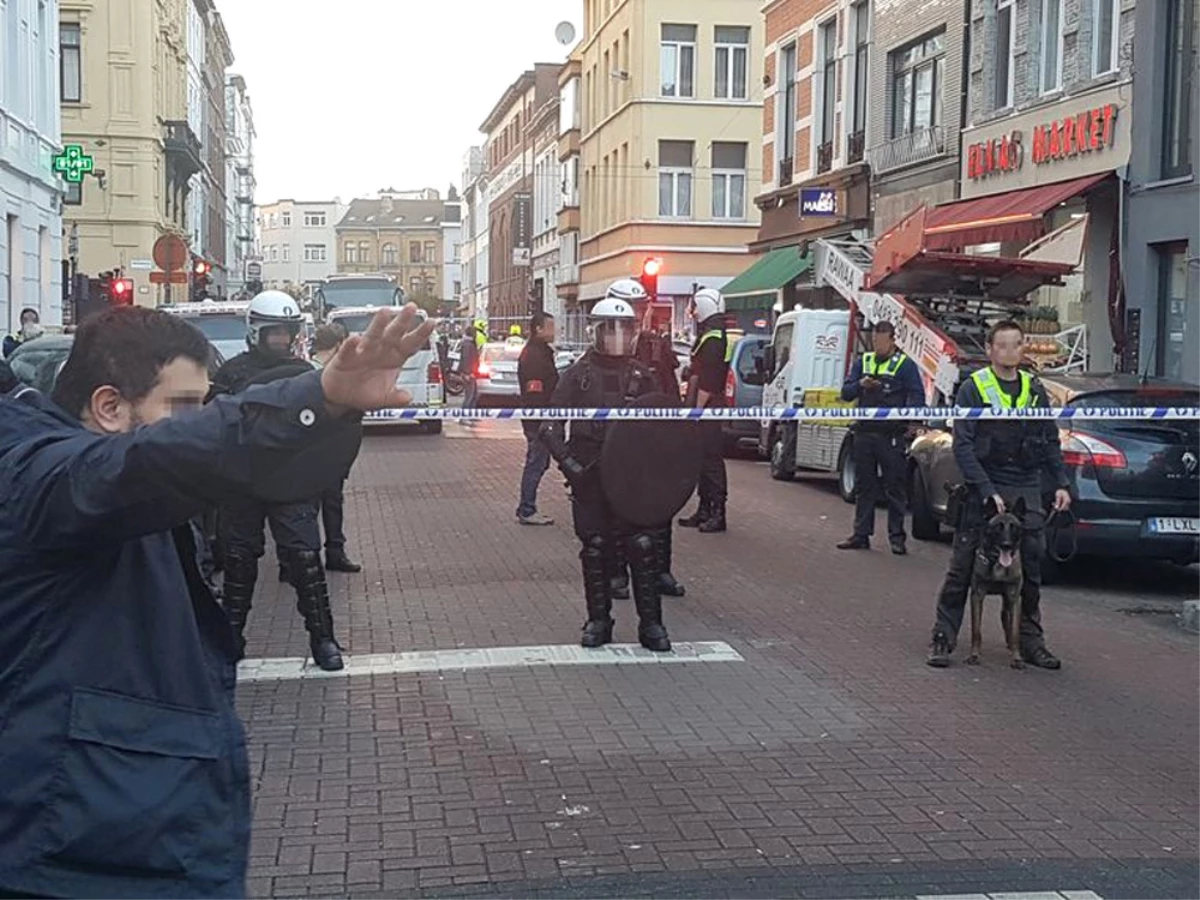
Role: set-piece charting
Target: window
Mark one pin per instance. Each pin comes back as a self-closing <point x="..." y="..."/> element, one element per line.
<point x="430" y="251"/>
<point x="675" y="178"/>
<point x="457" y="289"/>
<point x="1177" y="110"/>
<point x="287" y="252"/>
<point x="783" y="347"/>
<point x="314" y="220"/>
<point x="828" y="45"/>
<point x="285" y="219"/>
<point x="430" y="290"/>
<point x="70" y="64"/>
<point x="862" y="63"/>
<point x="733" y="53"/>
<point x="314" y="253"/>
<point x="1173" y="315"/>
<point x="389" y="254"/>
<point x="1052" y="46"/>
<point x="786" y="140"/>
<point x="1003" y="94"/>
<point x="414" y="252"/>
<point x="729" y="180"/>
<point x="457" y="252"/>
<point x="364" y="252"/>
<point x="678" y="60"/>
<point x="1106" y="32"/>
<point x="414" y="286"/>
<point x="73" y="194"/>
<point x="274" y="253"/>
<point x="918" y="74"/>
<point x="273" y="221"/>
<point x="351" y="252"/>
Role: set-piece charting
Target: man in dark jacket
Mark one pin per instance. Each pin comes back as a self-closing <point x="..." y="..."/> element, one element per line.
<point x="538" y="377"/>
<point x="123" y="765"/>
<point x="1002" y="462"/>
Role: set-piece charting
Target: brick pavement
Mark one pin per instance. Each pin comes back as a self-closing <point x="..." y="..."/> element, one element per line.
<point x="831" y="749"/>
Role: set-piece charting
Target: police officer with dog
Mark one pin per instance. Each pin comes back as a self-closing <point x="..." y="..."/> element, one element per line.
<point x="273" y="323"/>
<point x="884" y="377"/>
<point x="1002" y="462"/>
<point x="608" y="509"/>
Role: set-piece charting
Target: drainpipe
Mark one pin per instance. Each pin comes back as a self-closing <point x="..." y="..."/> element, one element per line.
<point x="964" y="92"/>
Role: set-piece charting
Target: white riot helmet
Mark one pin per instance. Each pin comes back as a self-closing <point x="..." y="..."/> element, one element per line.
<point x="613" y="326"/>
<point x="707" y="303"/>
<point x="272" y="309"/>
<point x="628" y="289"/>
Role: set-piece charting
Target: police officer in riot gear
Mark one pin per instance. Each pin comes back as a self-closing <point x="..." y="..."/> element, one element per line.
<point x="1002" y="462"/>
<point x="711" y="355"/>
<point x="606" y="376"/>
<point x="273" y="323"/>
<point x="884" y="377"/>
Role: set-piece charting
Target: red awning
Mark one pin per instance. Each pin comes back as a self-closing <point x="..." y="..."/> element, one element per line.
<point x="1015" y="216"/>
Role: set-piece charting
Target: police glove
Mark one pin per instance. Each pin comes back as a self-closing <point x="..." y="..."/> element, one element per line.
<point x="574" y="470"/>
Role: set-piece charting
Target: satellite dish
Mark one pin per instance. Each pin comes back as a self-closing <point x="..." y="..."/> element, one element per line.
<point x="565" y="33"/>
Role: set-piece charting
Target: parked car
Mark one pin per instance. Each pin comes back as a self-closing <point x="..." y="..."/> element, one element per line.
<point x="1136" y="483"/>
<point x="224" y="324"/>
<point x="744" y="388"/>
<point x="421" y="376"/>
<point x="495" y="382"/>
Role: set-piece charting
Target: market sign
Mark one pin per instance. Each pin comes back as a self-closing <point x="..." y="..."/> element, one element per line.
<point x="1002" y="154"/>
<point x="1067" y="138"/>
<point x="818" y="202"/>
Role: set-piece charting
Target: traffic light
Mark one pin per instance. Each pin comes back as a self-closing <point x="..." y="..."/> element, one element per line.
<point x="115" y="290"/>
<point x="200" y="278"/>
<point x="650" y="269"/>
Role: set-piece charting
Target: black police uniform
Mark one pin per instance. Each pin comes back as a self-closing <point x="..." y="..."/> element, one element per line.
<point x="710" y="368"/>
<point x="1014" y="459"/>
<point x="598" y="381"/>
<point x="294" y="527"/>
<point x="879" y="446"/>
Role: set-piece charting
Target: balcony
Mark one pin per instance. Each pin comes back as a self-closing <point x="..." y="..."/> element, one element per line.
<point x="785" y="171"/>
<point x="909" y="149"/>
<point x="824" y="157"/>
<point x="183" y="148"/>
<point x="567" y="274"/>
<point x="856" y="147"/>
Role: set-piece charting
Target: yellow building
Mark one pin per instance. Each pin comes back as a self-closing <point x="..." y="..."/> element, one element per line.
<point x="124" y="99"/>
<point x="670" y="98"/>
<point x="400" y="235"/>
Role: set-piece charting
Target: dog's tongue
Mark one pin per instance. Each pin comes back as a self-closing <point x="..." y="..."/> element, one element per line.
<point x="1006" y="558"/>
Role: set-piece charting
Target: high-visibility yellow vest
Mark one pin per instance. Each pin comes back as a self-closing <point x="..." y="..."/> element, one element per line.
<point x="889" y="368"/>
<point x="994" y="396"/>
<point x="716" y="334"/>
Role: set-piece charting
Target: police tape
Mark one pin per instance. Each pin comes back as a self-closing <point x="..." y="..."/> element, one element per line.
<point x="791" y="414"/>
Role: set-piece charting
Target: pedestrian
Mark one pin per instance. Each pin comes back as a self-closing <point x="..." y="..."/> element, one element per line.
<point x="273" y="324"/>
<point x="326" y="341"/>
<point x="538" y="377"/>
<point x="1002" y="462"/>
<point x="711" y="355"/>
<point x="606" y="376"/>
<point x="885" y="377"/>
<point x="31" y="327"/>
<point x="125" y="771"/>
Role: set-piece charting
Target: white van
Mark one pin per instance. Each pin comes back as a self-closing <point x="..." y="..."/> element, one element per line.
<point x="806" y="366"/>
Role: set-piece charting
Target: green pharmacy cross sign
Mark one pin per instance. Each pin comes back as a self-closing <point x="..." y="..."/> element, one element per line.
<point x="73" y="163"/>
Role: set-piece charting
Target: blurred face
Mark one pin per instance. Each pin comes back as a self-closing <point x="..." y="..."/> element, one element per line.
<point x="1007" y="348"/>
<point x="614" y="337"/>
<point x="546" y="332"/>
<point x="277" y="339"/>
<point x="182" y="386"/>
<point x="29" y="317"/>
<point x="883" y="343"/>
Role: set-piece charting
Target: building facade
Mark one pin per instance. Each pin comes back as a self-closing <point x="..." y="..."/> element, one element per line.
<point x="452" y="236"/>
<point x="240" y="185"/>
<point x="547" y="193"/>
<point x="218" y="58"/>
<point x="399" y="233"/>
<point x="570" y="112"/>
<point x="1049" y="111"/>
<point x="30" y="197"/>
<point x="297" y="242"/>
<point x="509" y="161"/>
<point x="1162" y="228"/>
<point x="670" y="136"/>
<point x="141" y="139"/>
<point x="475" y="234"/>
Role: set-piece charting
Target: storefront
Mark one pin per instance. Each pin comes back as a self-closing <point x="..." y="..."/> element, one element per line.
<point x="1030" y="175"/>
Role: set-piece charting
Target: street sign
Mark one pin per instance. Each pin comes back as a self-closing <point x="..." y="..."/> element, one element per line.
<point x="171" y="253"/>
<point x="142" y="265"/>
<point x="818" y="202"/>
<point x="169" y="277"/>
<point x="253" y="269"/>
<point x="520" y="257"/>
<point x="72" y="164"/>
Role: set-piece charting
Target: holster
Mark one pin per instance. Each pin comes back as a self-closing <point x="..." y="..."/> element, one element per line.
<point x="956" y="504"/>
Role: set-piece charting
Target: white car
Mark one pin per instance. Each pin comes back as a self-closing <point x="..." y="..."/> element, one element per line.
<point x="421" y="376"/>
<point x="224" y="324"/>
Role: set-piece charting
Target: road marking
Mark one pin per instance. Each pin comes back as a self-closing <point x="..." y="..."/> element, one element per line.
<point x="1035" y="895"/>
<point x="288" y="669"/>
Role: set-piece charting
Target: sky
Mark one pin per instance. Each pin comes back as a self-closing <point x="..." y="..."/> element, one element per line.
<point x="360" y="95"/>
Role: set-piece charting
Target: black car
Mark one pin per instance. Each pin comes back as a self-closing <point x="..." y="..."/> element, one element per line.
<point x="1136" y="484"/>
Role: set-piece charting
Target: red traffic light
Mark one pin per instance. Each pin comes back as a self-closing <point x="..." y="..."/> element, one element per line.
<point x="201" y="267"/>
<point x="651" y="267"/>
<point x="120" y="291"/>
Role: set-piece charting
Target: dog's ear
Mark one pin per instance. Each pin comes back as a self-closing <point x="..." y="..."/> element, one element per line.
<point x="989" y="507"/>
<point x="1019" y="508"/>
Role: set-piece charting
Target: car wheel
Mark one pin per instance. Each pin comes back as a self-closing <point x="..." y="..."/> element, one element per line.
<point x="846" y="471"/>
<point x="434" y="427"/>
<point x="925" y="526"/>
<point x="783" y="453"/>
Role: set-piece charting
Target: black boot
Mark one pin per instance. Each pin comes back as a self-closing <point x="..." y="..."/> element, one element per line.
<point x="336" y="560"/>
<point x="667" y="585"/>
<point x="312" y="600"/>
<point x="597" y="592"/>
<point x="240" y="574"/>
<point x="698" y="518"/>
<point x="619" y="575"/>
<point x="643" y="561"/>
<point x="715" y="523"/>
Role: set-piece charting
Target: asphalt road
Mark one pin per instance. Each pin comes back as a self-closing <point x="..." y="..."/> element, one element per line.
<point x="797" y="746"/>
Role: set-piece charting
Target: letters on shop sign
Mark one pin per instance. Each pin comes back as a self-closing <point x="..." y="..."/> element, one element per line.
<point x="1089" y="131"/>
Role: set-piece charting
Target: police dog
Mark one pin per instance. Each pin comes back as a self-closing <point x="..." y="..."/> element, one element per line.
<point x="998" y="571"/>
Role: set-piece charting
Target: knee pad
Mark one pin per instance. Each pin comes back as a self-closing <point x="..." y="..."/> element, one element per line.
<point x="641" y="546"/>
<point x="595" y="545"/>
<point x="304" y="565"/>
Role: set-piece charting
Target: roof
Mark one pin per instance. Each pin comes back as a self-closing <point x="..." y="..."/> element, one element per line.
<point x="523" y="83"/>
<point x="372" y="214"/>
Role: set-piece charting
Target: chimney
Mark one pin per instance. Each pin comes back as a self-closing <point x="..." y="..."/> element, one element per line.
<point x="386" y="204"/>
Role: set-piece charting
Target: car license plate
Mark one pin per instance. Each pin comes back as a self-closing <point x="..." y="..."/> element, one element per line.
<point x="1165" y="525"/>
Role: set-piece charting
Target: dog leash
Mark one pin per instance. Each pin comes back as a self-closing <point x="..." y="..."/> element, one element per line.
<point x="1061" y="522"/>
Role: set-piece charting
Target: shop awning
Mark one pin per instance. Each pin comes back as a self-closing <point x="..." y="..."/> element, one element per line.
<point x="759" y="286"/>
<point x="1015" y="216"/>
